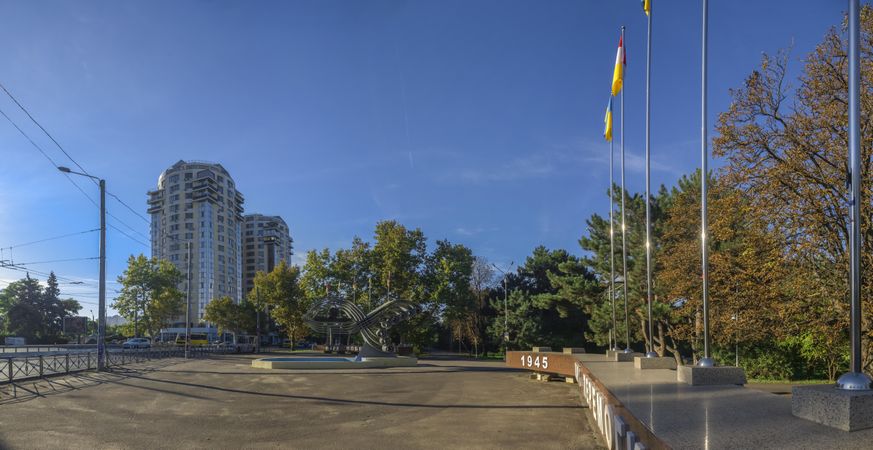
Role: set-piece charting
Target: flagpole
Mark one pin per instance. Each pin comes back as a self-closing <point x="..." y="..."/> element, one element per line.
<point x="651" y="353"/>
<point x="706" y="361"/>
<point x="623" y="226"/>
<point x="855" y="379"/>
<point x="612" y="243"/>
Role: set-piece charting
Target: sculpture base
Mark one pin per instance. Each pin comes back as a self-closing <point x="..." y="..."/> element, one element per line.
<point x="541" y="349"/>
<point x="660" y="362"/>
<point x="323" y="363"/>
<point x="573" y="350"/>
<point x="621" y="356"/>
<point x="837" y="408"/>
<point x="711" y="376"/>
<point x="368" y="351"/>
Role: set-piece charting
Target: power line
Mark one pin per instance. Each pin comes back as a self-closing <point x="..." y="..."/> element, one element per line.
<point x="44" y="131"/>
<point x="53" y="238"/>
<point x="126" y="225"/>
<point x="59" y="260"/>
<point x="21" y="268"/>
<point x="128" y="207"/>
<point x="53" y="163"/>
<point x="128" y="236"/>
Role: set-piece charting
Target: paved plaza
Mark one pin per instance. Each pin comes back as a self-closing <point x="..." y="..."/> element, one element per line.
<point x="693" y="417"/>
<point x="225" y="403"/>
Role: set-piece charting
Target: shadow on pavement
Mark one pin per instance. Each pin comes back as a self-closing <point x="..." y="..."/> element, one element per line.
<point x="335" y="400"/>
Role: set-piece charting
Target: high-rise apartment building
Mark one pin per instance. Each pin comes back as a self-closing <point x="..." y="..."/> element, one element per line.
<point x="197" y="203"/>
<point x="267" y="241"/>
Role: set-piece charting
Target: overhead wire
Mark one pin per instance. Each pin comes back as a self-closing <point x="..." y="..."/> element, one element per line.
<point x="56" y="165"/>
<point x="32" y="119"/>
<point x="52" y="238"/>
<point x="59" y="260"/>
<point x="119" y="200"/>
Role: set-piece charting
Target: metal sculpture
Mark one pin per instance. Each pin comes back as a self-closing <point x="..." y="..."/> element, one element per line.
<point x="335" y="316"/>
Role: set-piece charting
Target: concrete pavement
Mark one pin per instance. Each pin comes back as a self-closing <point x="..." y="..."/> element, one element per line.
<point x="225" y="403"/>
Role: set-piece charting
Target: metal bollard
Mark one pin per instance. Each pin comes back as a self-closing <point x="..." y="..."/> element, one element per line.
<point x="40" y="366"/>
<point x="9" y="365"/>
<point x="67" y="362"/>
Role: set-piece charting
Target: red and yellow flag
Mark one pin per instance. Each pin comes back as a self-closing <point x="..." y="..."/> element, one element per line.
<point x="618" y="73"/>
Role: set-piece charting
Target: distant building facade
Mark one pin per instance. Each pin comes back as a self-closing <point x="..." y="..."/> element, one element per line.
<point x="267" y="240"/>
<point x="197" y="202"/>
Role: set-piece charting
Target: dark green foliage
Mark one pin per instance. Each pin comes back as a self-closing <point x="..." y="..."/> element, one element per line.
<point x="35" y="313"/>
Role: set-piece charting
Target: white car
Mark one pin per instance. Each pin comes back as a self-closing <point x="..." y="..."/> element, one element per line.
<point x="137" y="343"/>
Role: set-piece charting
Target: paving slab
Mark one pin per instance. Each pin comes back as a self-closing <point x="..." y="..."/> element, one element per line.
<point x="715" y="417"/>
<point x="225" y="403"/>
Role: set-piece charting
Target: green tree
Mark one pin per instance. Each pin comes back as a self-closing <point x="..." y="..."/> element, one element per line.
<point x="450" y="269"/>
<point x="281" y="291"/>
<point x="149" y="293"/>
<point x="230" y="316"/>
<point x="23" y="314"/>
<point x="33" y="312"/>
<point x="399" y="255"/>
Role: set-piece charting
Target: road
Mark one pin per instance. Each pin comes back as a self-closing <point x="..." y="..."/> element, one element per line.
<point x="224" y="403"/>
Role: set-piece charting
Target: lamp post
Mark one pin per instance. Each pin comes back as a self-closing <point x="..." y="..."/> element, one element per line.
<point x="101" y="310"/>
<point x="505" y="306"/>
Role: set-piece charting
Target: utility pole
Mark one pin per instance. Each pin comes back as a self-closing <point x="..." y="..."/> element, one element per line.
<point x="270" y="242"/>
<point x="188" y="300"/>
<point x="101" y="310"/>
<point x="258" y="318"/>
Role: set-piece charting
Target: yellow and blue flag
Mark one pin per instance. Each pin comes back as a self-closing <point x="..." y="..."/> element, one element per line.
<point x="618" y="73"/>
<point x="647" y="6"/>
<point x="607" y="131"/>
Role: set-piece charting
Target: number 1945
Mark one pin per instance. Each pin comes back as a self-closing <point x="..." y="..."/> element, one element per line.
<point x="538" y="362"/>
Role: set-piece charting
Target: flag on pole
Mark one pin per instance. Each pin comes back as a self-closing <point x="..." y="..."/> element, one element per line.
<point x="647" y="6"/>
<point x="607" y="131"/>
<point x="618" y="73"/>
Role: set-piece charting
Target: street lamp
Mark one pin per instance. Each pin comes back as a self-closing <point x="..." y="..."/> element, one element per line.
<point x="505" y="307"/>
<point x="101" y="311"/>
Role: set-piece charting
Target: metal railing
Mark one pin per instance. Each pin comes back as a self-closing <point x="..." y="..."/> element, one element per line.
<point x="15" y="368"/>
<point x="49" y="348"/>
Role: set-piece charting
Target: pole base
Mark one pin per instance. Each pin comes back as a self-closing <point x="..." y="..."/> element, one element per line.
<point x="648" y="362"/>
<point x="652" y="355"/>
<point x="706" y="362"/>
<point x="847" y="410"/>
<point x="627" y="350"/>
<point x="624" y="357"/>
<point x="710" y="376"/>
<point x="854" y="381"/>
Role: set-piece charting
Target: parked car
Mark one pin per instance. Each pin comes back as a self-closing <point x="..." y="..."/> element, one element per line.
<point x="14" y="341"/>
<point x="242" y="343"/>
<point x="137" y="343"/>
<point x="197" y="339"/>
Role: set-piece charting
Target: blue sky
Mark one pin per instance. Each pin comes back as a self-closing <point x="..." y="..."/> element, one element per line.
<point x="478" y="121"/>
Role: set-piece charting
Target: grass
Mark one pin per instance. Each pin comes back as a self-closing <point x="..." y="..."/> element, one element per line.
<point x="762" y="381"/>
